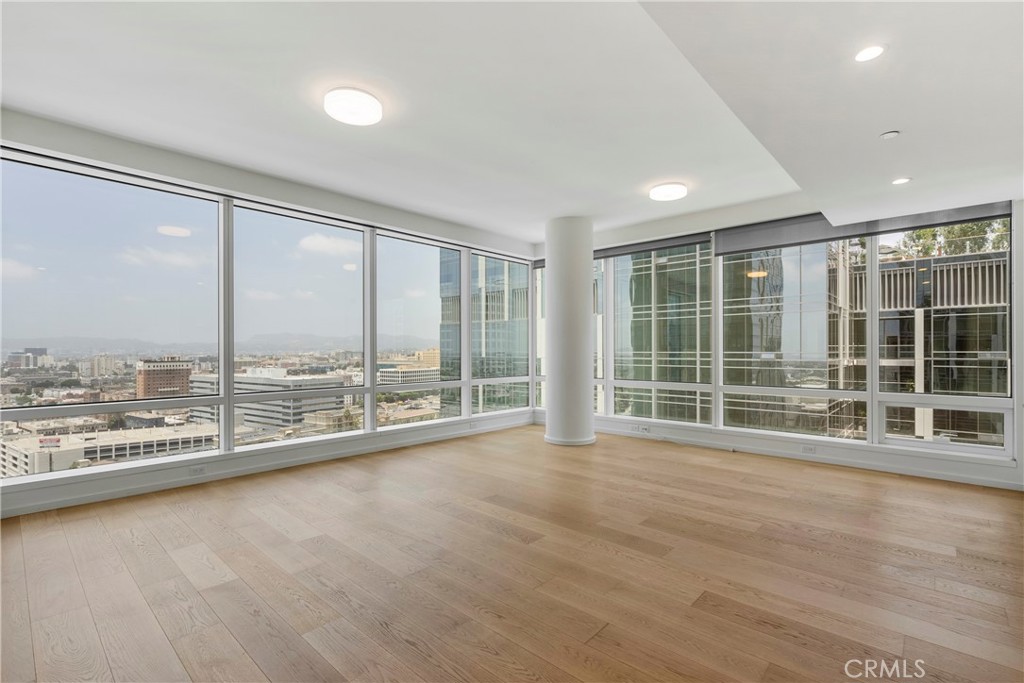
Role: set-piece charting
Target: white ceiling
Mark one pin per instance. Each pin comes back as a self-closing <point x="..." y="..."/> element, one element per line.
<point x="503" y="115"/>
<point x="951" y="80"/>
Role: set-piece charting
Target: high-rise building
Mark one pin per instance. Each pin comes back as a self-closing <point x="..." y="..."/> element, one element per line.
<point x="430" y="358"/>
<point x="168" y="376"/>
<point x="276" y="414"/>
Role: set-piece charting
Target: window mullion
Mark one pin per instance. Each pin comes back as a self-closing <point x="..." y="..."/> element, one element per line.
<point x="227" y="324"/>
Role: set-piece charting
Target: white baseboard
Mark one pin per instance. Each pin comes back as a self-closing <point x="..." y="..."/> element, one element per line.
<point x="33" y="493"/>
<point x="918" y="462"/>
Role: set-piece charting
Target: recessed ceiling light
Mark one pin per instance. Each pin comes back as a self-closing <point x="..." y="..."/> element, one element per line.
<point x="901" y="181"/>
<point x="757" y="273"/>
<point x="667" y="192"/>
<point x="889" y="134"/>
<point x="352" y="106"/>
<point x="869" y="53"/>
<point x="173" y="231"/>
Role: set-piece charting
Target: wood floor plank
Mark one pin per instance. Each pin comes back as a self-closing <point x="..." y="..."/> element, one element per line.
<point x="92" y="548"/>
<point x="561" y="650"/>
<point x="504" y="658"/>
<point x="136" y="647"/>
<point x="145" y="558"/>
<point x="423" y="609"/>
<point x="960" y="664"/>
<point x="288" y="524"/>
<point x="16" y="659"/>
<point x="212" y="654"/>
<point x="300" y="607"/>
<point x="357" y="656"/>
<point x="202" y="566"/>
<point x="67" y="648"/>
<point x="819" y="641"/>
<point x="168" y="529"/>
<point x="559" y="616"/>
<point x="658" y="662"/>
<point x="179" y="607"/>
<point x="286" y="553"/>
<point x="372" y="545"/>
<point x="51" y="579"/>
<point x="719" y="655"/>
<point x="419" y="649"/>
<point x="280" y="653"/>
<point x="486" y="559"/>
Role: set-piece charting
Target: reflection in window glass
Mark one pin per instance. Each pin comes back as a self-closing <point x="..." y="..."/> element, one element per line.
<point x="944" y="309"/>
<point x="633" y="401"/>
<point x="667" y="404"/>
<point x="820" y="416"/>
<point x="597" y="321"/>
<point x="51" y="445"/>
<point x="298" y="305"/>
<point x="663" y="315"/>
<point x="409" y="407"/>
<point x="783" y="328"/>
<point x="286" y="419"/>
<point x="488" y="398"/>
<point x="418" y="309"/>
<point x="500" y="317"/>
<point x="109" y="290"/>
<point x="940" y="425"/>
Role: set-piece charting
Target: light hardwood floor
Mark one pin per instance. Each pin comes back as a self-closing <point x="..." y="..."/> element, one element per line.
<point x="501" y="558"/>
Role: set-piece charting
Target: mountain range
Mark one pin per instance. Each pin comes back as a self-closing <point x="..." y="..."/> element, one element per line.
<point x="62" y="347"/>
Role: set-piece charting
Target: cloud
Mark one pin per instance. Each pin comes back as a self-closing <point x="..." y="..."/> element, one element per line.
<point x="262" y="295"/>
<point x="350" y="267"/>
<point x="319" y="243"/>
<point x="415" y="293"/>
<point x="303" y="295"/>
<point x="16" y="270"/>
<point x="174" y="231"/>
<point x="145" y="256"/>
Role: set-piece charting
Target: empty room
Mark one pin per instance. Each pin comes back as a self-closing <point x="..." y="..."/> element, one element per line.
<point x="440" y="342"/>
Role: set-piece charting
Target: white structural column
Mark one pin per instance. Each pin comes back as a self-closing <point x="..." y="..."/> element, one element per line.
<point x="569" y="275"/>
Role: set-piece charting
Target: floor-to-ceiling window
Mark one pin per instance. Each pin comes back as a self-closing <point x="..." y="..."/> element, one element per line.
<point x="944" y="333"/>
<point x="500" y="335"/>
<point x="419" y="348"/>
<point x="298" y="328"/>
<point x="662" y="333"/>
<point x="793" y="352"/>
<point x="144" y="319"/>
<point x="891" y="337"/>
<point x="110" y="307"/>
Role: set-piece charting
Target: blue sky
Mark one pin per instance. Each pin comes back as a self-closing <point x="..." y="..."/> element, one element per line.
<point x="94" y="258"/>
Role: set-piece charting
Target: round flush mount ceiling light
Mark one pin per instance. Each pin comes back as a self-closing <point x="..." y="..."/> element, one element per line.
<point x="901" y="181"/>
<point x="889" y="134"/>
<point x="869" y="53"/>
<point x="354" y="107"/>
<point x="668" y="192"/>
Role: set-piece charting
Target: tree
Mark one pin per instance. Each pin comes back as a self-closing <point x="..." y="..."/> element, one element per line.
<point x="966" y="238"/>
<point x="68" y="383"/>
<point x="918" y="243"/>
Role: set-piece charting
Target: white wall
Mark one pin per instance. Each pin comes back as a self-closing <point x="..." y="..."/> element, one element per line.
<point x="71" y="142"/>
